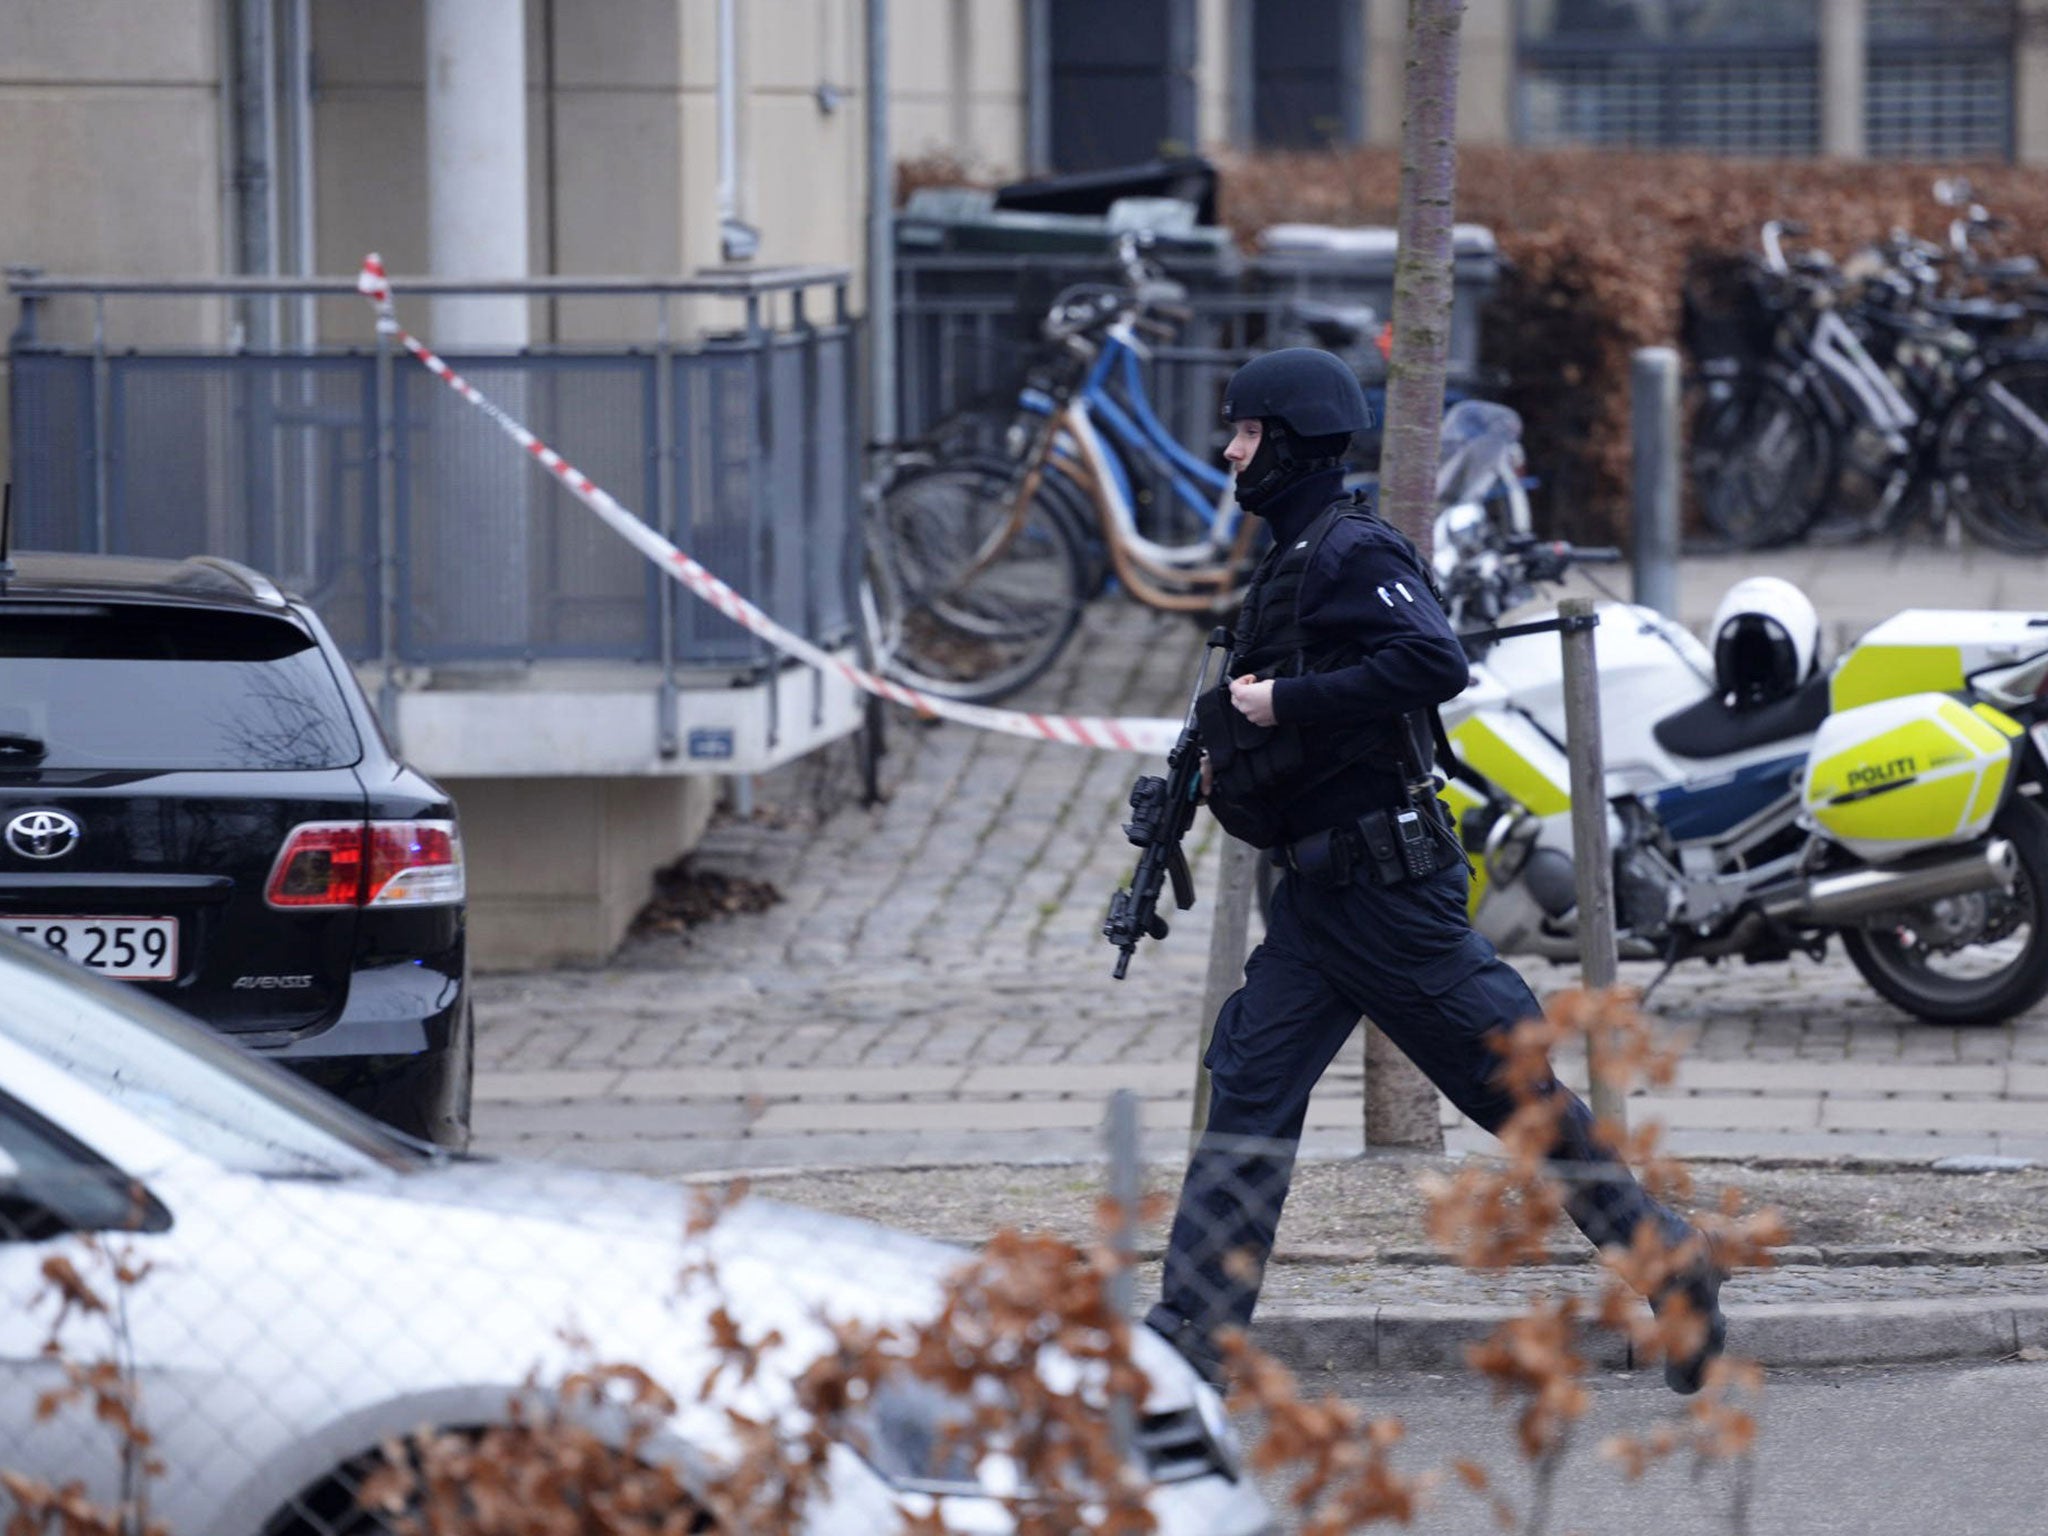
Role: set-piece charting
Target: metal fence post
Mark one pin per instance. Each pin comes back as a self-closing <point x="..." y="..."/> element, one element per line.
<point x="1126" y="1186"/>
<point x="1237" y="867"/>
<point x="387" y="531"/>
<point x="767" y="551"/>
<point x="1653" y="431"/>
<point x="102" y="428"/>
<point x="1592" y="861"/>
<point x="668" y="729"/>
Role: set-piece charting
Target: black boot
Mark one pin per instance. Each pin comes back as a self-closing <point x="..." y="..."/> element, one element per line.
<point x="1190" y="1343"/>
<point x="1700" y="1285"/>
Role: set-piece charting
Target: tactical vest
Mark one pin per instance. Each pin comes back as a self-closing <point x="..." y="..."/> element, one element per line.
<point x="1254" y="769"/>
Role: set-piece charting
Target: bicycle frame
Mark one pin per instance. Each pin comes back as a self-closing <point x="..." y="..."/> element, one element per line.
<point x="1199" y="487"/>
<point x="1157" y="574"/>
<point x="1837" y="349"/>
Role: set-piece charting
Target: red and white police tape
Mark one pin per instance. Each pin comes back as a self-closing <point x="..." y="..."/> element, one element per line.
<point x="1127" y="733"/>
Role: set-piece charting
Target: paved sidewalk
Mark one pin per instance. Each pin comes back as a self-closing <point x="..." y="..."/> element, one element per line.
<point x="933" y="989"/>
<point x="934" y="986"/>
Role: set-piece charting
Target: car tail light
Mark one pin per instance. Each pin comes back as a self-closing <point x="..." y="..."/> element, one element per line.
<point x="368" y="864"/>
<point x="414" y="864"/>
<point x="321" y="866"/>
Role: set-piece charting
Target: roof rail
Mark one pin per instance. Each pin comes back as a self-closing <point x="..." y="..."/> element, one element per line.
<point x="260" y="586"/>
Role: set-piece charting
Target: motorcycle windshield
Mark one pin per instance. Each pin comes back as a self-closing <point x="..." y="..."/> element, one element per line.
<point x="1476" y="439"/>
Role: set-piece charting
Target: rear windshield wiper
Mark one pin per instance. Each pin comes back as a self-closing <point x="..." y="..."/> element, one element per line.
<point x="14" y="744"/>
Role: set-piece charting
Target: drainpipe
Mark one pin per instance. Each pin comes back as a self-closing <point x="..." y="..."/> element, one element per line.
<point x="881" y="234"/>
<point x="303" y="231"/>
<point x="255" y="121"/>
<point x="736" y="241"/>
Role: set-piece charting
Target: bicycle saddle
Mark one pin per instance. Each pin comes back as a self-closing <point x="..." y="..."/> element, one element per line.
<point x="1334" y="325"/>
<point x="1976" y="314"/>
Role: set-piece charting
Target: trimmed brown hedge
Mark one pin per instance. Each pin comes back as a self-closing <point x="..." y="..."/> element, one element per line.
<point x="1597" y="246"/>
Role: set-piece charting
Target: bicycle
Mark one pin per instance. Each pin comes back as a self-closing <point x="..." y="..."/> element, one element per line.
<point x="1927" y="397"/>
<point x="979" y="564"/>
<point x="984" y="550"/>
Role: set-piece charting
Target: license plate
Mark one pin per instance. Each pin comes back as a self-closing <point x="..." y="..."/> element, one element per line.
<point x="126" y="948"/>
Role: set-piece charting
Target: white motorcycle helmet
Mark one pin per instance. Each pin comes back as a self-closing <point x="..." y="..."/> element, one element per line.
<point x="1766" y="642"/>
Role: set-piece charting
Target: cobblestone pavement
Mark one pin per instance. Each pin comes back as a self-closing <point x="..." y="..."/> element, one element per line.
<point x="934" y="985"/>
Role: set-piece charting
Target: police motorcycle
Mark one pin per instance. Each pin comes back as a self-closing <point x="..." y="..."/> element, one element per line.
<point x="1759" y="803"/>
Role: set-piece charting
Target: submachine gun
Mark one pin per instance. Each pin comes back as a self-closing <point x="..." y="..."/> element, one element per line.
<point x="1162" y="810"/>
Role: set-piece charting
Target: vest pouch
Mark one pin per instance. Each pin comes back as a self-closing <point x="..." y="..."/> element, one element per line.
<point x="1240" y="794"/>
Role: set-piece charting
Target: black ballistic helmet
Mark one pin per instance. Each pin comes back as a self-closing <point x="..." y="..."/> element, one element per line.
<point x="1308" y="402"/>
<point x="1310" y="390"/>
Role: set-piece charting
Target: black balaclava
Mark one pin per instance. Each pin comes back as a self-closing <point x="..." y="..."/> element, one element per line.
<point x="1284" y="459"/>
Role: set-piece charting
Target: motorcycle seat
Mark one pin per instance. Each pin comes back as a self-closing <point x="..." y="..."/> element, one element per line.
<point x="1711" y="729"/>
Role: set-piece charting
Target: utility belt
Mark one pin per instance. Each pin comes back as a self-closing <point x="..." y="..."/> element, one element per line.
<point x="1386" y="847"/>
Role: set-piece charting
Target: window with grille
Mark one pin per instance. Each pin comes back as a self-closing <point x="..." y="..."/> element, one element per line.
<point x="1940" y="81"/>
<point x="1739" y="77"/>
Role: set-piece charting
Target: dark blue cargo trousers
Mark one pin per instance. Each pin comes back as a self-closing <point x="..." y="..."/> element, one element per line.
<point x="1404" y="956"/>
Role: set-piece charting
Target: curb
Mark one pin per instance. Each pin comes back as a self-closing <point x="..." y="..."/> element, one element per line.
<point x="1901" y="1332"/>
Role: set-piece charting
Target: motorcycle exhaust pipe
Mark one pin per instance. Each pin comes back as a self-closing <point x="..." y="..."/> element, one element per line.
<point x="1836" y="900"/>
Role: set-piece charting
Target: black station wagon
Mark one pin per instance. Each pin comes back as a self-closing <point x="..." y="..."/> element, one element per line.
<point x="196" y="798"/>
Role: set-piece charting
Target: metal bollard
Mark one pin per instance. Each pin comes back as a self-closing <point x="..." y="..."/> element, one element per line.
<point x="1234" y="877"/>
<point x="1653" y="432"/>
<point x="1592" y="858"/>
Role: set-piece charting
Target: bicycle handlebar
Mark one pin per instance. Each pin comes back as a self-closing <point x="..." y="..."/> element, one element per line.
<point x="1774" y="251"/>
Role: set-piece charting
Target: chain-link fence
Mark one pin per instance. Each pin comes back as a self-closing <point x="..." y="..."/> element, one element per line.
<point x="228" y="1305"/>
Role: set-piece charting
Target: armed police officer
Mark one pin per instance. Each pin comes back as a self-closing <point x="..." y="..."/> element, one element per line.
<point x="1320" y="744"/>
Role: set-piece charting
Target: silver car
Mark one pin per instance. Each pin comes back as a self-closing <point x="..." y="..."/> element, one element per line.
<point x="318" y="1284"/>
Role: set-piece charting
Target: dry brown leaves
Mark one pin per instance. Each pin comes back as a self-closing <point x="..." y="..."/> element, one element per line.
<point x="686" y="897"/>
<point x="1493" y="1217"/>
<point x="104" y="1385"/>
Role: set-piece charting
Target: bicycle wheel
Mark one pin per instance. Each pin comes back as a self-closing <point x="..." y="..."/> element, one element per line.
<point x="966" y="600"/>
<point x="1993" y="456"/>
<point x="1762" y="461"/>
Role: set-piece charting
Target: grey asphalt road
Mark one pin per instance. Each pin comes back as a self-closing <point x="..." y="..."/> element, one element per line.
<point x="1920" y="1451"/>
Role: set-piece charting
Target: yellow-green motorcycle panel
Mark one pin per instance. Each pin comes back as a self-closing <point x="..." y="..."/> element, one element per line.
<point x="1901" y="774"/>
<point x="1873" y="672"/>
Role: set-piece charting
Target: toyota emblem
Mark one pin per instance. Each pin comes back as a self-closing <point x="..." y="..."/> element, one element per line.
<point x="42" y="834"/>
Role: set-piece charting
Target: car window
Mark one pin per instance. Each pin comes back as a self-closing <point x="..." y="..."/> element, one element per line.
<point x="201" y="1091"/>
<point x="50" y="1185"/>
<point x="106" y="686"/>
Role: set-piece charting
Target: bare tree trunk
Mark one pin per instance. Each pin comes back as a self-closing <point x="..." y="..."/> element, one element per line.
<point x="1400" y="1103"/>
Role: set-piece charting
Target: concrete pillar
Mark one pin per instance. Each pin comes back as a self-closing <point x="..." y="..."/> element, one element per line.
<point x="1486" y="73"/>
<point x="1386" y="40"/>
<point x="474" y="495"/>
<point x="476" y="164"/>
<point x="559" y="867"/>
<point x="2030" y="83"/>
<point x="1844" y="66"/>
<point x="1222" y="101"/>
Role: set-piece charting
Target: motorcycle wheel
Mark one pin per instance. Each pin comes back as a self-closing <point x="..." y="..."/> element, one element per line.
<point x="1971" y="959"/>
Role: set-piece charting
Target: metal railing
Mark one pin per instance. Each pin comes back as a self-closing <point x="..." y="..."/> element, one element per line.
<point x="350" y="475"/>
<point x="968" y="323"/>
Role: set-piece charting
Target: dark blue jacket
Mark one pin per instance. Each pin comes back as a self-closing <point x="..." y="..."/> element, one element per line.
<point x="1360" y="591"/>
